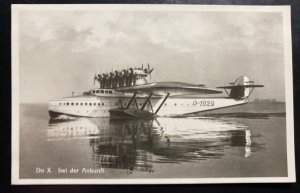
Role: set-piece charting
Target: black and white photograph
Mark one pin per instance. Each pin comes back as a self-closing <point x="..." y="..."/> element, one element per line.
<point x="152" y="94"/>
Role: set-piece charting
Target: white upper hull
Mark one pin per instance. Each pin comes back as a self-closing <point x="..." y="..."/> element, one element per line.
<point x="99" y="106"/>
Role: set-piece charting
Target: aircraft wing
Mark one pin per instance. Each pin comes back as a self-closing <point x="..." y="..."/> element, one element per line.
<point x="173" y="88"/>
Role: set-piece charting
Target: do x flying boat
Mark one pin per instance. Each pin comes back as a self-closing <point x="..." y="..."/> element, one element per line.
<point x="130" y="94"/>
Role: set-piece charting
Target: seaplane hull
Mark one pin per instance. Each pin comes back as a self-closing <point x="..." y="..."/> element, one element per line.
<point x="166" y="99"/>
<point x="116" y="106"/>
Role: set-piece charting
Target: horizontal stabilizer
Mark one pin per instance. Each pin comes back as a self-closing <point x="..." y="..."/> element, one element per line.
<point x="245" y="86"/>
<point x="241" y="88"/>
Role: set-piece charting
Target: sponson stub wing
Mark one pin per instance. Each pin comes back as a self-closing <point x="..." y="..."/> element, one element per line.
<point x="171" y="88"/>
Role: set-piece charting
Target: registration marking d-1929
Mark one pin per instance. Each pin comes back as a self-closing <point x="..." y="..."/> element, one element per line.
<point x="207" y="103"/>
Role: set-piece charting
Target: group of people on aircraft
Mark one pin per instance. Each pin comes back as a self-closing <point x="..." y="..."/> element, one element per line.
<point x="120" y="78"/>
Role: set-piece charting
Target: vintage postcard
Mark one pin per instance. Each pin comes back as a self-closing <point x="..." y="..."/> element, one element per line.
<point x="151" y="94"/>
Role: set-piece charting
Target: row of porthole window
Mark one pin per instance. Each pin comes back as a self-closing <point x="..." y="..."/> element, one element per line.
<point x="81" y="104"/>
<point x="89" y="104"/>
<point x="99" y="104"/>
<point x="175" y="104"/>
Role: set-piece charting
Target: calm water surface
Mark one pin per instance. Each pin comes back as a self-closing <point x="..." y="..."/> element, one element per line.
<point x="195" y="147"/>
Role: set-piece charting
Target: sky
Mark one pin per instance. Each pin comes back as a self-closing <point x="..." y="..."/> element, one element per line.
<point x="60" y="51"/>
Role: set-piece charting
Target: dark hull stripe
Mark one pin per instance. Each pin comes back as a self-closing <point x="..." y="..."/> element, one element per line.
<point x="54" y="114"/>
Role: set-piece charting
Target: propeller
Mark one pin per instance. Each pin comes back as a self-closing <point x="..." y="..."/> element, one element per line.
<point x="95" y="78"/>
<point x="149" y="71"/>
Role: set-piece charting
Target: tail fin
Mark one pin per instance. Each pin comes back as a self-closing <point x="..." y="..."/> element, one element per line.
<point x="241" y="88"/>
<point x="239" y="91"/>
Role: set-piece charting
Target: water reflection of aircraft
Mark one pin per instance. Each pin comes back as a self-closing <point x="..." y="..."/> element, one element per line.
<point x="132" y="143"/>
<point x="71" y="129"/>
<point x="202" y="138"/>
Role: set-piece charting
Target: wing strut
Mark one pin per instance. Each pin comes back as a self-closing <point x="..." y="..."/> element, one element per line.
<point x="137" y="113"/>
<point x="227" y="92"/>
<point x="136" y="104"/>
<point x="161" y="104"/>
<point x="147" y="100"/>
<point x="250" y="93"/>
<point x="131" y="100"/>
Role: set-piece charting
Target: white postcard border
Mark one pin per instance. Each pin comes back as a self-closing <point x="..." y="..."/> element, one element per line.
<point x="224" y="8"/>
